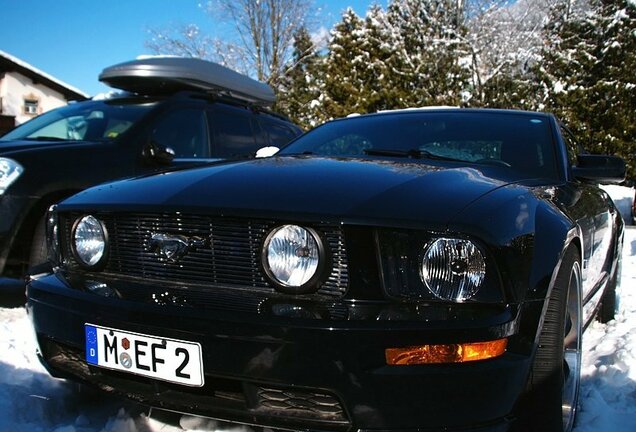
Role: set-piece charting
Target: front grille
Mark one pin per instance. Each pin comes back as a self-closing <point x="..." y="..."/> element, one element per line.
<point x="231" y="256"/>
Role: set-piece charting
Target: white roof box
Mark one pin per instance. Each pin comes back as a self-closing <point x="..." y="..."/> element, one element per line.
<point x="154" y="75"/>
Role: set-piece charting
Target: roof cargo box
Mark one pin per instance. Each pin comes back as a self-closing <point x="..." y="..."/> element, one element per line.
<point x="155" y="75"/>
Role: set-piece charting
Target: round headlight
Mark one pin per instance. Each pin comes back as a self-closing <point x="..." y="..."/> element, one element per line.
<point x="453" y="269"/>
<point x="292" y="257"/>
<point x="89" y="241"/>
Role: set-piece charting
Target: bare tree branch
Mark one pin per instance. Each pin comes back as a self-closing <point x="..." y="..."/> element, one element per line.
<point x="260" y="43"/>
<point x="185" y="41"/>
<point x="265" y="29"/>
<point x="507" y="37"/>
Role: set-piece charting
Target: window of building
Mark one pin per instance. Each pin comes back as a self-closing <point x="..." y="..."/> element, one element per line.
<point x="31" y="106"/>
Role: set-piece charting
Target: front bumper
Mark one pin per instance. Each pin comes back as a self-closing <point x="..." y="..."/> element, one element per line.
<point x="290" y="373"/>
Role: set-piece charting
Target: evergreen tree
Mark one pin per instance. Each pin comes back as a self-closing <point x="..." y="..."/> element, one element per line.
<point x="430" y="60"/>
<point x="344" y="89"/>
<point x="377" y="47"/>
<point x="506" y="39"/>
<point x="358" y="78"/>
<point x="512" y="88"/>
<point x="588" y="79"/>
<point x="300" y="91"/>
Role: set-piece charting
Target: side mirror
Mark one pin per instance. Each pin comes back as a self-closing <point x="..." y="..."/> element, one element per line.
<point x="600" y="169"/>
<point x="266" y="151"/>
<point x="159" y="153"/>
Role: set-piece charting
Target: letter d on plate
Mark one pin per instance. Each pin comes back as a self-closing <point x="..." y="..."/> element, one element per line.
<point x="91" y="344"/>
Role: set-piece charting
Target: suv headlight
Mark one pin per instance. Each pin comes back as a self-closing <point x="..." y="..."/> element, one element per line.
<point x="89" y="241"/>
<point x="10" y="170"/>
<point x="453" y="269"/>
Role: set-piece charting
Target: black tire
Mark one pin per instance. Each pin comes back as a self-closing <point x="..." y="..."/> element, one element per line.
<point x="609" y="305"/>
<point x="38" y="253"/>
<point x="554" y="381"/>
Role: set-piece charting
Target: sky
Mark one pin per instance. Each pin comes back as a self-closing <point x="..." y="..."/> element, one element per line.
<point x="74" y="40"/>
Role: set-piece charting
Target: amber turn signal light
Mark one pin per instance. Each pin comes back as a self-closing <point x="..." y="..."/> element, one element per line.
<point x="447" y="353"/>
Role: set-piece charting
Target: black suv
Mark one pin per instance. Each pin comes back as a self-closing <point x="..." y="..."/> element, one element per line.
<point x="69" y="149"/>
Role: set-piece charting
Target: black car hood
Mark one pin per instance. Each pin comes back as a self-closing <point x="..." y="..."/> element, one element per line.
<point x="299" y="188"/>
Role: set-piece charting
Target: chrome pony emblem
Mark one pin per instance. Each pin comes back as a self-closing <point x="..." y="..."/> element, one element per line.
<point x="174" y="247"/>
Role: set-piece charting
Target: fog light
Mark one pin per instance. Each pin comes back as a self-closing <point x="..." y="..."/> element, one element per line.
<point x="446" y="353"/>
<point x="89" y="241"/>
<point x="293" y="257"/>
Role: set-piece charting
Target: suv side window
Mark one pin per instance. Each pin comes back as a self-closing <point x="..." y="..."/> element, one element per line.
<point x="279" y="135"/>
<point x="185" y="132"/>
<point x="233" y="133"/>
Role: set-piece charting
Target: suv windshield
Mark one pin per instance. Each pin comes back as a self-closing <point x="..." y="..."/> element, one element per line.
<point x="520" y="142"/>
<point x="83" y="121"/>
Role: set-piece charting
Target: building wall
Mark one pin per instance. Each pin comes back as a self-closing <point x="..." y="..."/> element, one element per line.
<point x="15" y="88"/>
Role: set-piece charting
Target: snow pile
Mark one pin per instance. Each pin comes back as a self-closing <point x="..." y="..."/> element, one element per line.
<point x="32" y="401"/>
<point x="623" y="197"/>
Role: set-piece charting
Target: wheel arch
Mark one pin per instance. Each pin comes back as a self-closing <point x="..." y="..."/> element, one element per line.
<point x="554" y="234"/>
<point x="574" y="240"/>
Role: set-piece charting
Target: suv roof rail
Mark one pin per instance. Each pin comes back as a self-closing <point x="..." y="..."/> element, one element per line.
<point x="219" y="96"/>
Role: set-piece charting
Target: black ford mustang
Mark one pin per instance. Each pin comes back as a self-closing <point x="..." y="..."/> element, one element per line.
<point x="410" y="270"/>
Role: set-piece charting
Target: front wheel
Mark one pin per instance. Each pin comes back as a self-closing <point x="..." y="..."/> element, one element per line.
<point x="555" y="377"/>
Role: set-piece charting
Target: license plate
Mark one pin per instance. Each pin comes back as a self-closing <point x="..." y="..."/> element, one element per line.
<point x="165" y="359"/>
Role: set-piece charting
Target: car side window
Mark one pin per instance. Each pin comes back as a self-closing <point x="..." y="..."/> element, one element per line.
<point x="185" y="132"/>
<point x="233" y="134"/>
<point x="279" y="135"/>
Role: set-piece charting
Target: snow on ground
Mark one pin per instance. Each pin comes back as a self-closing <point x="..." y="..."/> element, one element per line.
<point x="623" y="198"/>
<point x="608" y="390"/>
<point x="32" y="401"/>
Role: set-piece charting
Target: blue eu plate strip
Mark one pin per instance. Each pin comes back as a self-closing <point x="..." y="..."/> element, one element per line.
<point x="91" y="344"/>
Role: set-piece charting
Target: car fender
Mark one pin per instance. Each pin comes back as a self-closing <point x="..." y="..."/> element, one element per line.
<point x="529" y="237"/>
<point x="527" y="234"/>
<point x="554" y="233"/>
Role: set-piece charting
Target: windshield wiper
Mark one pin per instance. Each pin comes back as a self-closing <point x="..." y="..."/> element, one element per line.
<point x="411" y="153"/>
<point x="45" y="138"/>
<point x="303" y="153"/>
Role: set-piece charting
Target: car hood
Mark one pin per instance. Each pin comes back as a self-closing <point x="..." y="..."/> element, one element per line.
<point x="366" y="191"/>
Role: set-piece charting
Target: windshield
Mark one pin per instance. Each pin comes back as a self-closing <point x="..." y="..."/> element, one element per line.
<point x="520" y="142"/>
<point x="87" y="121"/>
